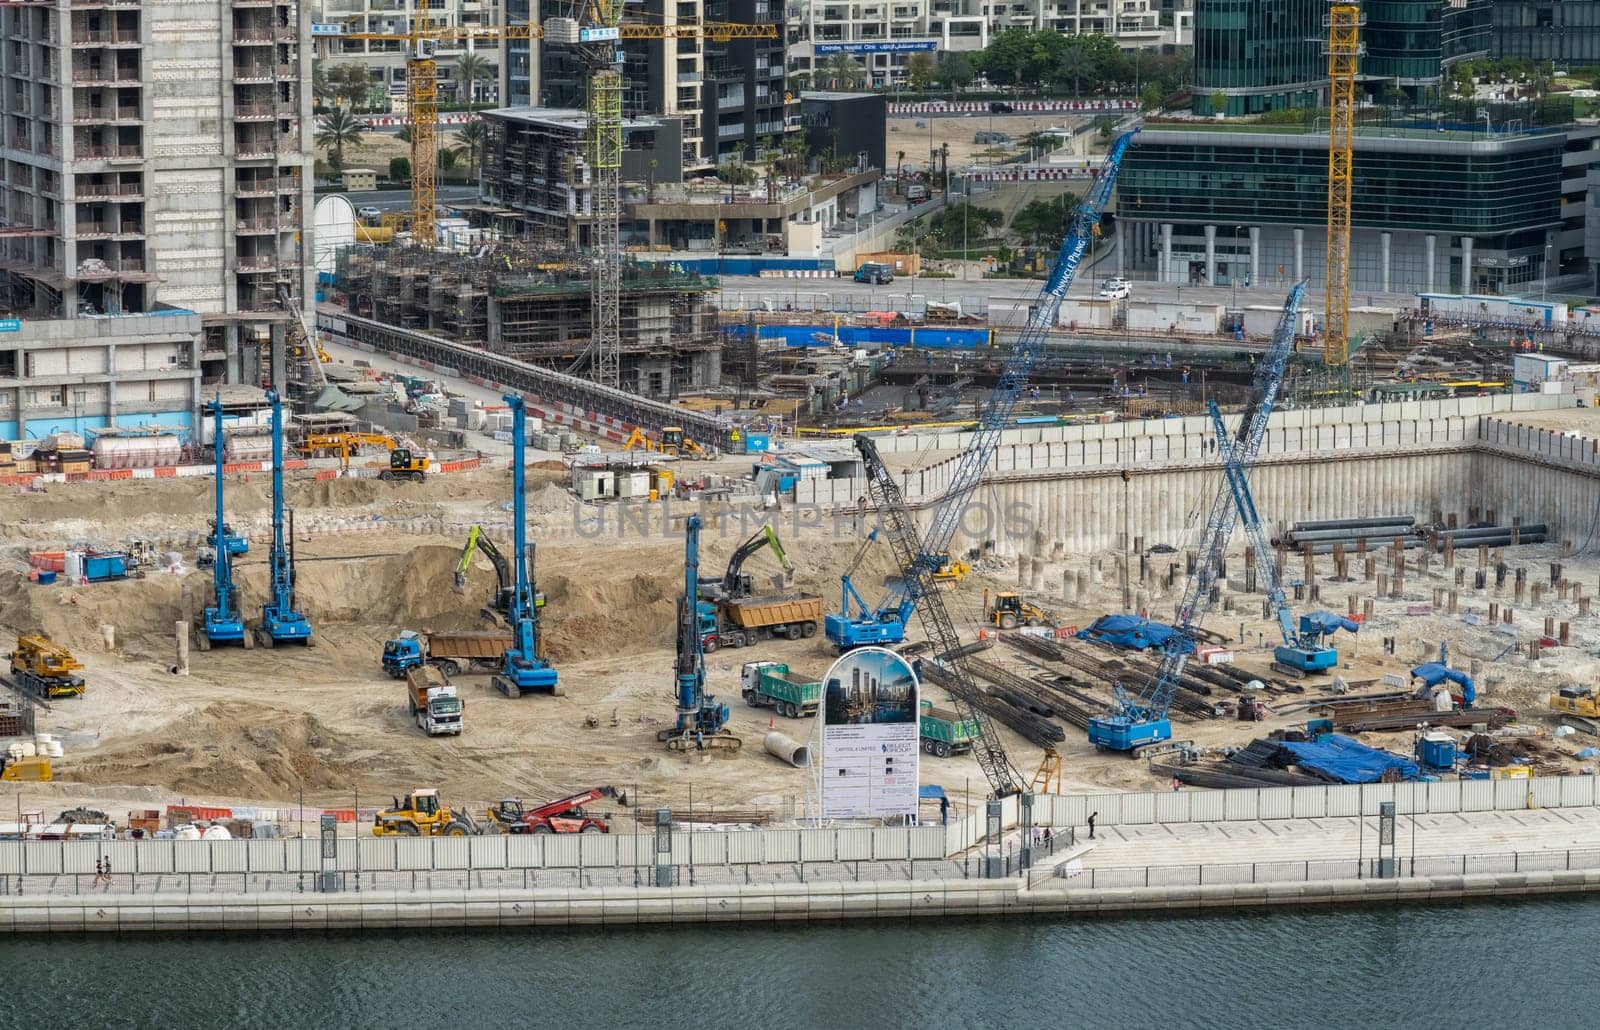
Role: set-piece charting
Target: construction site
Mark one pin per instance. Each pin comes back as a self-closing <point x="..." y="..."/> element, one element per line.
<point x="535" y="304"/>
<point x="1265" y="595"/>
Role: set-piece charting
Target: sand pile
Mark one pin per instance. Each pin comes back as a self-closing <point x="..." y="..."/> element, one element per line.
<point x="141" y="610"/>
<point x="587" y="616"/>
<point x="232" y="748"/>
<point x="413" y="590"/>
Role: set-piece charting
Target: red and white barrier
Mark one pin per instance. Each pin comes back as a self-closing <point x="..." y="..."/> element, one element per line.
<point x="1017" y="106"/>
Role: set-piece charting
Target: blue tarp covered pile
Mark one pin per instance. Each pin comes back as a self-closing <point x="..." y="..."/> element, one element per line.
<point x="1131" y="632"/>
<point x="1350" y="761"/>
<point x="1328" y="622"/>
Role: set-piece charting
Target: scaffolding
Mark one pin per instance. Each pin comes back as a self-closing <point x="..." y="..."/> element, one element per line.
<point x="529" y="302"/>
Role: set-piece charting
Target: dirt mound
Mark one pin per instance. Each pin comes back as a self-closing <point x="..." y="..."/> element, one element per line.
<point x="336" y="493"/>
<point x="588" y="617"/>
<point x="230" y="748"/>
<point x="414" y="589"/>
<point x="141" y="610"/>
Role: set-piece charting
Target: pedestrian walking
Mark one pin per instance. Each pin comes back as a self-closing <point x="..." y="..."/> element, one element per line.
<point x="108" y="871"/>
<point x="99" y="871"/>
<point x="1092" y="817"/>
<point x="944" y="810"/>
<point x="1176" y="784"/>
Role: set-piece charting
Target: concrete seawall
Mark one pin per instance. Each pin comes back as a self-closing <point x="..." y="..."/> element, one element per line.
<point x="786" y="903"/>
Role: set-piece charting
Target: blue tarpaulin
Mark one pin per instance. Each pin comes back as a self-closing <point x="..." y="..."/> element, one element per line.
<point x="1328" y="622"/>
<point x="930" y="790"/>
<point x="1350" y="761"/>
<point x="863" y="336"/>
<point x="1434" y="673"/>
<point x="1130" y="632"/>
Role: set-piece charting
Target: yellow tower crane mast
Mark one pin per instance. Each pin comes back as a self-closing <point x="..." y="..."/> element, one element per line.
<point x="1344" y="56"/>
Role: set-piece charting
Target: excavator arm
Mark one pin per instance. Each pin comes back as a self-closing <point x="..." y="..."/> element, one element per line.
<point x="466" y="558"/>
<point x="732" y="583"/>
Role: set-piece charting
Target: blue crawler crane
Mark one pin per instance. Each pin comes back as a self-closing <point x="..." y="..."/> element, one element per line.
<point x="1137" y="724"/>
<point x="859" y="624"/>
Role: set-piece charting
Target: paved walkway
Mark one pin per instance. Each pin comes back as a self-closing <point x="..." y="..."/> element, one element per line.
<point x="1469" y="833"/>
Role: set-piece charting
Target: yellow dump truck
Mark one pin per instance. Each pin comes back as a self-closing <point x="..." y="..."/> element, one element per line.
<point x="745" y="621"/>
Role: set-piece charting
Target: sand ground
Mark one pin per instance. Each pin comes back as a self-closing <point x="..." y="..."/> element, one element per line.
<point x="262" y="726"/>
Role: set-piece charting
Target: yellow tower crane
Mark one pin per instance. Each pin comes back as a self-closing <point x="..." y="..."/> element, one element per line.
<point x="1344" y="56"/>
<point x="597" y="36"/>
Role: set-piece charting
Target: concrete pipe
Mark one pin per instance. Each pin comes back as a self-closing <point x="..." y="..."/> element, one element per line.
<point x="787" y="748"/>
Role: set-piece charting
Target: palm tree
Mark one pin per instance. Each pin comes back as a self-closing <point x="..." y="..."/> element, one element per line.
<point x="844" y="71"/>
<point x="1074" y="65"/>
<point x="472" y="135"/>
<point x="471" y="70"/>
<point x="899" y="158"/>
<point x="449" y="157"/>
<point x="336" y="130"/>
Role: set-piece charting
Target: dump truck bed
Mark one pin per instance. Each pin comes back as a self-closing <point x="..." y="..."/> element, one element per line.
<point x="470" y="644"/>
<point x="755" y="612"/>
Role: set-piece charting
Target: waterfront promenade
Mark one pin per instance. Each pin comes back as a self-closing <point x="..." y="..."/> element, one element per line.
<point x="1149" y="867"/>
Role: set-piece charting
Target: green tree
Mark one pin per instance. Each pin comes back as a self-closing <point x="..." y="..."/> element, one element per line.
<point x="954" y="70"/>
<point x="1152" y="97"/>
<point x="1219" y="102"/>
<point x="899" y="159"/>
<point x="1074" y="64"/>
<point x="1044" y="223"/>
<point x="921" y="71"/>
<point x="336" y="130"/>
<point x="399" y="169"/>
<point x="963" y="222"/>
<point x="351" y="83"/>
<point x="471" y="69"/>
<point x="473" y="135"/>
<point x="1043" y="142"/>
<point x="1017" y="56"/>
<point x="449" y="158"/>
<point x="844" y="72"/>
<point x="321" y="89"/>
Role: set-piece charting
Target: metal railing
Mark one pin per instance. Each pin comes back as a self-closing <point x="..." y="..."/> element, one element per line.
<point x="1367" y="867"/>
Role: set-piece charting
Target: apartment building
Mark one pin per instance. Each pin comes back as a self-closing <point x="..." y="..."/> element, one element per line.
<point x="883" y="34"/>
<point x="385" y="60"/>
<point x="157" y="158"/>
<point x="730" y="94"/>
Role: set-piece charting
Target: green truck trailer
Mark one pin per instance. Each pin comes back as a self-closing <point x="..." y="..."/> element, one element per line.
<point x="944" y="733"/>
<point x="770" y="685"/>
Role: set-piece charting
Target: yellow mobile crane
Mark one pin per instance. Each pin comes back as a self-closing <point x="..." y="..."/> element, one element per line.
<point x="595" y="30"/>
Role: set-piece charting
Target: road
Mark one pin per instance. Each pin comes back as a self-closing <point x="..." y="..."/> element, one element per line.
<point x="400" y="200"/>
<point x="746" y="291"/>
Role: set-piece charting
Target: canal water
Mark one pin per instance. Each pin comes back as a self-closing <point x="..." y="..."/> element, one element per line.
<point x="1516" y="964"/>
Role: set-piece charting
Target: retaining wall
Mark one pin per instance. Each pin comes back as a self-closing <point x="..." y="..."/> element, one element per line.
<point x="1064" y="483"/>
<point x="766" y="903"/>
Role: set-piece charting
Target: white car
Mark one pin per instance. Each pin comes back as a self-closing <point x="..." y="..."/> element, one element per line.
<point x="371" y="214"/>
<point x="1115" y="289"/>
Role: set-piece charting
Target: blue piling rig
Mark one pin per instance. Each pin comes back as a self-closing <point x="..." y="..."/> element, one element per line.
<point x="224" y="623"/>
<point x="522" y="668"/>
<point x="281" y="623"/>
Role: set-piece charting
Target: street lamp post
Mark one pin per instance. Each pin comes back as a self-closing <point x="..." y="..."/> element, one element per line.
<point x="1544" y="280"/>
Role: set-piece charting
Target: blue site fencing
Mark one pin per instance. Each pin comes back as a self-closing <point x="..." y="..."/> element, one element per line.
<point x="861" y="336"/>
<point x="745" y="266"/>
